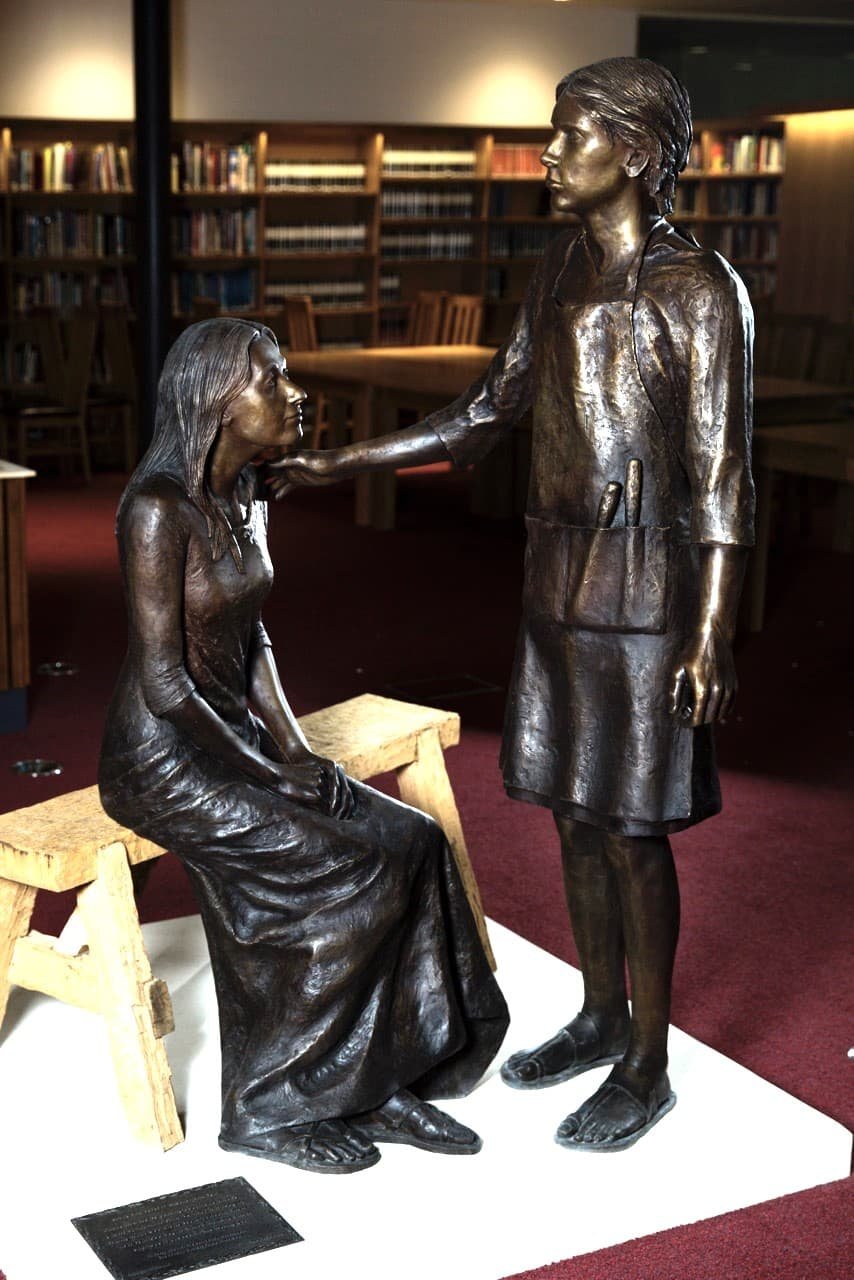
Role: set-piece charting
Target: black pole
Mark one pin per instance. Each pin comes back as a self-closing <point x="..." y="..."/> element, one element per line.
<point x="152" y="79"/>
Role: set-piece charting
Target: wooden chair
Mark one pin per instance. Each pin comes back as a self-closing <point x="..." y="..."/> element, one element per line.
<point x="114" y="400"/>
<point x="461" y="323"/>
<point x="425" y="319"/>
<point x="99" y="960"/>
<point x="330" y="419"/>
<point x="58" y="427"/>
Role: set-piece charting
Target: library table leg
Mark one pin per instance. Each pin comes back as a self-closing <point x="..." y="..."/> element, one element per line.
<point x="16" y="910"/>
<point x="135" y="1006"/>
<point x="425" y="785"/>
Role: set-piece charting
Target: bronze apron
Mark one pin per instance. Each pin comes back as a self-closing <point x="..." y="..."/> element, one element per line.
<point x="606" y="610"/>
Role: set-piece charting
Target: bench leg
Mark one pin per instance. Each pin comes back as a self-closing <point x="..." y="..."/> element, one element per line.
<point x="425" y="785"/>
<point x="16" y="909"/>
<point x="133" y="1004"/>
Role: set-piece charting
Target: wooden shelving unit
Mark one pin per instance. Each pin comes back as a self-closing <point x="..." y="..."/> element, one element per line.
<point x="467" y="213"/>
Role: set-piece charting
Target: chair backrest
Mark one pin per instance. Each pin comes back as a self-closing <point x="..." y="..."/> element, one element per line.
<point x="834" y="354"/>
<point x="81" y="330"/>
<point x="44" y="332"/>
<point x="117" y="347"/>
<point x="425" y="319"/>
<point x="299" y="324"/>
<point x="462" y="320"/>
<point x="786" y="344"/>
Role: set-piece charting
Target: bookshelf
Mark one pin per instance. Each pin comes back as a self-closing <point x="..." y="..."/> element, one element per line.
<point x="360" y="217"/>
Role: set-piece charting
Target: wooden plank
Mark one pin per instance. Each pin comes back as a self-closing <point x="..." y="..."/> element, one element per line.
<point x="139" y="1056"/>
<point x="16" y="909"/>
<point x="425" y="785"/>
<point x="370" y="734"/>
<point x="16" y="557"/>
<point x="72" y="979"/>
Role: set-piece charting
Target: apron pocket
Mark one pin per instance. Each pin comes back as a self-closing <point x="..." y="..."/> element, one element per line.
<point x="598" y="579"/>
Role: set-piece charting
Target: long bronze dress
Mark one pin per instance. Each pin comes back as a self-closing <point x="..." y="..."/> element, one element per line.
<point x="346" y="958"/>
<point x="657" y="370"/>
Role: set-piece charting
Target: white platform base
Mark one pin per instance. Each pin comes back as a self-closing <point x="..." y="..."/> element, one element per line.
<point x="733" y="1140"/>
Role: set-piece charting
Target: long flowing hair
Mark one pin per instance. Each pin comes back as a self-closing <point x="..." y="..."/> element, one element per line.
<point x="205" y="368"/>
<point x="646" y="107"/>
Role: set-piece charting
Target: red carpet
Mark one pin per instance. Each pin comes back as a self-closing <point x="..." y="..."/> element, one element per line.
<point x="763" y="972"/>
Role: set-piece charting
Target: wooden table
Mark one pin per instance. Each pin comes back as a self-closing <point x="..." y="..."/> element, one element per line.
<point x="379" y="381"/>
<point x="14" y="628"/>
<point x="822" y="449"/>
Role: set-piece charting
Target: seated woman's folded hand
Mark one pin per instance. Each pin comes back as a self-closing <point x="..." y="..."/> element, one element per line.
<point x="316" y="782"/>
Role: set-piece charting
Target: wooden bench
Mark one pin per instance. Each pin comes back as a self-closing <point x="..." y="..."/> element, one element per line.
<point x="99" y="961"/>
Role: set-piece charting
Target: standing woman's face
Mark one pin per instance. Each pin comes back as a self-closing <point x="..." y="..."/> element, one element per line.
<point x="267" y="414"/>
<point x="586" y="169"/>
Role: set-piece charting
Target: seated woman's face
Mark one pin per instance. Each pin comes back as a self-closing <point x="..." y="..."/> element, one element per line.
<point x="268" y="411"/>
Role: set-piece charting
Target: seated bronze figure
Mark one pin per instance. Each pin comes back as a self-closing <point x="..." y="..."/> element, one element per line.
<point x="350" y="979"/>
<point x="633" y="349"/>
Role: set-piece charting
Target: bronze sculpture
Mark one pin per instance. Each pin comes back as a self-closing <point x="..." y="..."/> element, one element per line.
<point x="350" y="979"/>
<point x="634" y="349"/>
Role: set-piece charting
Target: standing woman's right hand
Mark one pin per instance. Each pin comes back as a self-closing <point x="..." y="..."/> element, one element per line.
<point x="310" y="467"/>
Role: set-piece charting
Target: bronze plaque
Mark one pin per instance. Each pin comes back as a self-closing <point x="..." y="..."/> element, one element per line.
<point x="173" y="1234"/>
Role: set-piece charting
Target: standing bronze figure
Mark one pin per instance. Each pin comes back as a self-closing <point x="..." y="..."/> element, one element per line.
<point x="350" y="979"/>
<point x="633" y="348"/>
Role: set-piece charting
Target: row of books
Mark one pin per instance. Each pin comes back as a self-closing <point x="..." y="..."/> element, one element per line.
<point x="498" y="284"/>
<point x="19" y="362"/>
<point x="695" y="155"/>
<point x="427" y="244"/>
<point x="201" y="233"/>
<point x="747" y="153"/>
<point x="526" y="241"/>
<point x="403" y="203"/>
<point x="317" y="238"/>
<point x="205" y="166"/>
<point x="233" y="290"/>
<point x="685" y="199"/>
<point x="744" y="198"/>
<point x="516" y="160"/>
<point x="64" y="166"/>
<point x="70" y="233"/>
<point x="68" y="289"/>
<point x="503" y="201"/>
<point x="323" y="293"/>
<point x="433" y="162"/>
<point x="284" y="175"/>
<point x="737" y="240"/>
<point x="389" y="287"/>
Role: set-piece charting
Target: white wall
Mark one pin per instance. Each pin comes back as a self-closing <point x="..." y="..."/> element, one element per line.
<point x="384" y="61"/>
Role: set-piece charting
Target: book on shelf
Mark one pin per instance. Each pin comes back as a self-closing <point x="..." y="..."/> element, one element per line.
<point x="737" y="240"/>
<point x="394" y="328"/>
<point x="744" y="198"/>
<point x="233" y="290"/>
<point x="61" y="233"/>
<point x="316" y="175"/>
<point x="695" y="155"/>
<point x="208" y="166"/>
<point x="328" y="294"/>
<point x="517" y="160"/>
<point x="427" y="244"/>
<point x="316" y="238"/>
<point x="411" y="203"/>
<point x="206" y="232"/>
<point x="67" y="289"/>
<point x="64" y="166"/>
<point x="389" y="287"/>
<point x="432" y="162"/>
<point x="747" y="153"/>
<point x="526" y="241"/>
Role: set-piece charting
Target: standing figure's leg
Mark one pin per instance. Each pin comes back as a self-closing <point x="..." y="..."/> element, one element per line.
<point x="599" y="1034"/>
<point x="637" y="1093"/>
